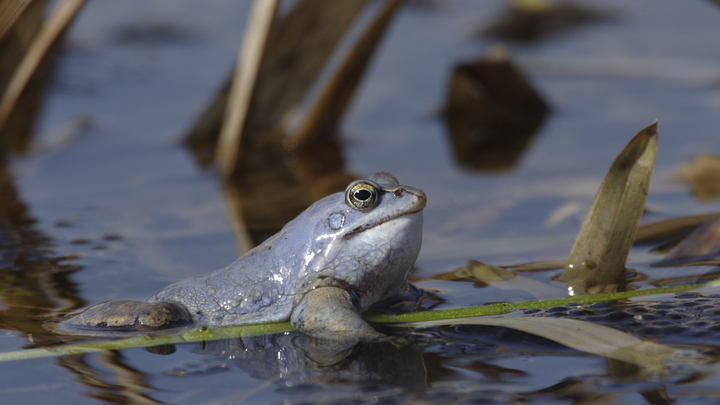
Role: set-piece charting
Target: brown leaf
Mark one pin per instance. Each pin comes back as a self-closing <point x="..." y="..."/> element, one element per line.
<point x="603" y="244"/>
<point x="700" y="248"/>
<point x="667" y="228"/>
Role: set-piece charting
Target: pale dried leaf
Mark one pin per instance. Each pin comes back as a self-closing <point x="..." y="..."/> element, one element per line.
<point x="584" y="336"/>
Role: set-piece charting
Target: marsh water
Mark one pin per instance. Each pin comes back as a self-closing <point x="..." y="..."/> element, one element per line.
<point x="107" y="203"/>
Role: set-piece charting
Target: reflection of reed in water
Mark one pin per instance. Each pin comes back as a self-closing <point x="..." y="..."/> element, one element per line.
<point x="130" y="387"/>
<point x="33" y="283"/>
<point x="262" y="200"/>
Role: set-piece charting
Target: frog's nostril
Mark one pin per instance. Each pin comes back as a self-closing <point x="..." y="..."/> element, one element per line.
<point x="399" y="192"/>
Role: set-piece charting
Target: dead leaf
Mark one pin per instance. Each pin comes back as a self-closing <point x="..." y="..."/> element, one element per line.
<point x="603" y="244"/>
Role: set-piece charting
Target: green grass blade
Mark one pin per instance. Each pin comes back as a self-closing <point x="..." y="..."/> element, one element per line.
<point x="507" y="307"/>
<point x="193" y="336"/>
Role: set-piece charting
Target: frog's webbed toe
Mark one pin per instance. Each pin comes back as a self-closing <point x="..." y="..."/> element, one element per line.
<point x="328" y="312"/>
<point x="126" y="316"/>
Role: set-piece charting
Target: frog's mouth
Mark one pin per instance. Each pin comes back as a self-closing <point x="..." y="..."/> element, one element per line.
<point x="365" y="227"/>
<point x="397" y="196"/>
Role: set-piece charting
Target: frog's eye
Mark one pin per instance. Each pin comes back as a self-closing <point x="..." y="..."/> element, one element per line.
<point x="361" y="196"/>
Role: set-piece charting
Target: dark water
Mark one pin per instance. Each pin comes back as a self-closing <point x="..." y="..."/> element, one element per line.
<point x="109" y="204"/>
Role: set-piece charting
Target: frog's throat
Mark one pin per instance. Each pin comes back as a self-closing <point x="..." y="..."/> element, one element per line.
<point x="365" y="227"/>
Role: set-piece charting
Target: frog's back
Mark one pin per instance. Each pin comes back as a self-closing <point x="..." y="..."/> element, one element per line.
<point x="259" y="287"/>
<point x="243" y="292"/>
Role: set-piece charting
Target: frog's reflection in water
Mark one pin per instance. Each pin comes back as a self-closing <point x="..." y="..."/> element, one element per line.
<point x="294" y="358"/>
<point x="290" y="361"/>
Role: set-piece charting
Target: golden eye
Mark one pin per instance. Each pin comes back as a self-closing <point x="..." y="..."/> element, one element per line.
<point x="361" y="196"/>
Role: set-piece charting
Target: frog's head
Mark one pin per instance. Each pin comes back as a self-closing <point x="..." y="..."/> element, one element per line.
<point x="368" y="237"/>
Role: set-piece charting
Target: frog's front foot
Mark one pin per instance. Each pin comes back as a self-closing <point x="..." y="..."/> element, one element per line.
<point x="328" y="312"/>
<point x="126" y="316"/>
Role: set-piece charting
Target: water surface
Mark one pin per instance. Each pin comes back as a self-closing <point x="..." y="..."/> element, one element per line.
<point x="111" y="205"/>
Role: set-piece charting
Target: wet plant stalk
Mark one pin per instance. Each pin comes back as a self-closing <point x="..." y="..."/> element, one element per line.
<point x="400" y="320"/>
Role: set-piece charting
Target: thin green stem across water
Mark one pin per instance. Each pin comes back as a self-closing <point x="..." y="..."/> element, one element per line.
<point x="200" y="335"/>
